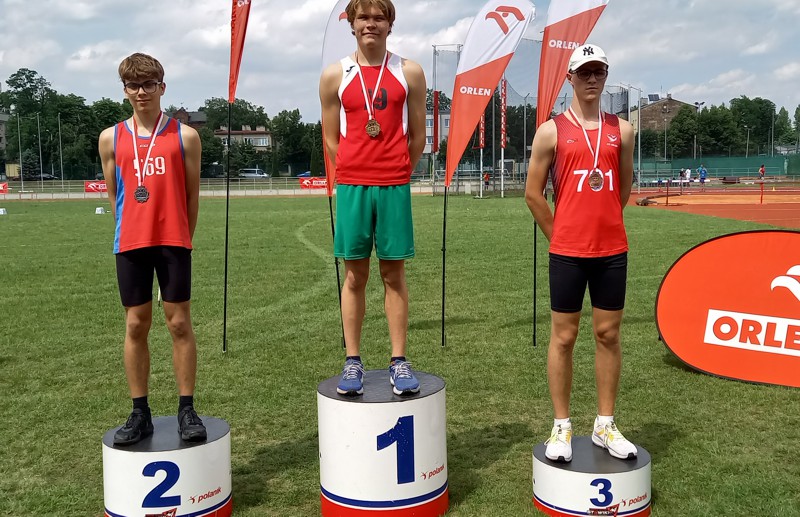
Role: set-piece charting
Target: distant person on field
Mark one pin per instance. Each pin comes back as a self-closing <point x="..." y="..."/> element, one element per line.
<point x="590" y="154"/>
<point x="151" y="165"/>
<point x="761" y="172"/>
<point x="688" y="176"/>
<point x="703" y="173"/>
<point x="373" y="105"/>
<point x="486" y="180"/>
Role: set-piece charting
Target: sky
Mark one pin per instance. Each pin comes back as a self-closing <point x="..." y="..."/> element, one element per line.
<point x="698" y="50"/>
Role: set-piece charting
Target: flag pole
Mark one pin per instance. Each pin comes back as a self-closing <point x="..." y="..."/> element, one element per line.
<point x="336" y="263"/>
<point x="444" y="255"/>
<point x="227" y="212"/>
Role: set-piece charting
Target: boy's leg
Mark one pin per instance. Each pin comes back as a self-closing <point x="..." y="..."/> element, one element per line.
<point x="356" y="274"/>
<point x="395" y="303"/>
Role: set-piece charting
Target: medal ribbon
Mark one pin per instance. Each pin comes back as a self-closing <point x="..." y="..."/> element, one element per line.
<point x="595" y="152"/>
<point x="142" y="169"/>
<point x="370" y="105"/>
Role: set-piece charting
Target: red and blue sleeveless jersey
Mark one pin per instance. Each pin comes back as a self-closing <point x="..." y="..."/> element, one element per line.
<point x="163" y="220"/>
<point x="361" y="159"/>
<point x="587" y="221"/>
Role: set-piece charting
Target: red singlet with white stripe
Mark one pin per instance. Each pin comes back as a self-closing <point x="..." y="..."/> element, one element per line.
<point x="588" y="217"/>
<point x="163" y="220"/>
<point x="361" y="159"/>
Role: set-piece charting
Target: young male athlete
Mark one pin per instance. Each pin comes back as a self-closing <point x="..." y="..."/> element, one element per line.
<point x="151" y="164"/>
<point x="590" y="157"/>
<point x="373" y="113"/>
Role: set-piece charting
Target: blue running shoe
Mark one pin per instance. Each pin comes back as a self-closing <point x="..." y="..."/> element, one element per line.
<point x="402" y="378"/>
<point x="351" y="382"/>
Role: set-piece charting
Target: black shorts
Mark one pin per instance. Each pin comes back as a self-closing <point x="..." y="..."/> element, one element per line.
<point x="172" y="265"/>
<point x="605" y="276"/>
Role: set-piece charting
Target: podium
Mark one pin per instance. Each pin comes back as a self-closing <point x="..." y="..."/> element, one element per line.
<point x="593" y="483"/>
<point x="382" y="454"/>
<point x="163" y="476"/>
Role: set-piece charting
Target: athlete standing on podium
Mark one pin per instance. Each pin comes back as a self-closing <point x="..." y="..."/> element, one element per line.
<point x="590" y="155"/>
<point x="153" y="181"/>
<point x="373" y="105"/>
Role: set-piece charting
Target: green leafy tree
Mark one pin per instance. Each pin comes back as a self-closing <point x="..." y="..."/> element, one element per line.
<point x="213" y="151"/>
<point x="30" y="164"/>
<point x="444" y="101"/>
<point x="784" y="134"/>
<point x="243" y="113"/>
<point x="27" y="91"/>
<point x="650" y="143"/>
<point x="288" y="139"/>
<point x="681" y="133"/>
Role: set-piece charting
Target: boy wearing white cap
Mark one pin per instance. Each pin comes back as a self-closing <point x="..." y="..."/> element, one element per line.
<point x="590" y="154"/>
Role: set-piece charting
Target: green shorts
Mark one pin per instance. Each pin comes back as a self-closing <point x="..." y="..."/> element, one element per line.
<point x="371" y="216"/>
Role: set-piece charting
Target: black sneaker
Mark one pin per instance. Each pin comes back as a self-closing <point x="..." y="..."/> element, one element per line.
<point x="190" y="426"/>
<point x="138" y="426"/>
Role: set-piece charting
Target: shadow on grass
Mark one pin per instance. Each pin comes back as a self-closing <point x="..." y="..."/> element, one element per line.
<point x="250" y="481"/>
<point x="657" y="438"/>
<point x="437" y="323"/>
<point x="671" y="360"/>
<point x="473" y="450"/>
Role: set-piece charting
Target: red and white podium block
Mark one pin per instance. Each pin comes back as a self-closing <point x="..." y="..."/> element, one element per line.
<point x="163" y="476"/>
<point x="593" y="483"/>
<point x="381" y="454"/>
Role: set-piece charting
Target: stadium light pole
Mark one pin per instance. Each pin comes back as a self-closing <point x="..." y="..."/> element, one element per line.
<point x="747" y="148"/>
<point x="697" y="106"/>
<point x="60" y="151"/>
<point x="41" y="164"/>
<point x="19" y="140"/>
<point x="638" y="131"/>
<point x="665" y="110"/>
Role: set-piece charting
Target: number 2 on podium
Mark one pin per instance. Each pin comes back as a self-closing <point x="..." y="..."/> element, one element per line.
<point x="403" y="434"/>
<point x="155" y="498"/>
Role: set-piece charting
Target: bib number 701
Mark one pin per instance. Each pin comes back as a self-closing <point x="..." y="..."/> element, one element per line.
<point x="597" y="179"/>
<point x="403" y="435"/>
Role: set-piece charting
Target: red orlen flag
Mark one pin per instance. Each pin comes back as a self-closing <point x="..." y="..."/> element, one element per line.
<point x="482" y="132"/>
<point x="338" y="43"/>
<point x="239" y="14"/>
<point x="569" y="23"/>
<point x="503" y="106"/>
<point x="491" y="41"/>
<point x="95" y="186"/>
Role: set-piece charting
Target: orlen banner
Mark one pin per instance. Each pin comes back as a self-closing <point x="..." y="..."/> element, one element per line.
<point x="730" y="307"/>
<point x="491" y="41"/>
<point x="313" y="182"/>
<point x="3" y="188"/>
<point x="95" y="186"/>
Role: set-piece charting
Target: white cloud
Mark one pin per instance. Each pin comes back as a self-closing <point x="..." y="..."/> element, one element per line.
<point x="788" y="72"/>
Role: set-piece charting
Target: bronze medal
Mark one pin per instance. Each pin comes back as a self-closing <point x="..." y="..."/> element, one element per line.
<point x="596" y="180"/>
<point x="141" y="194"/>
<point x="373" y="128"/>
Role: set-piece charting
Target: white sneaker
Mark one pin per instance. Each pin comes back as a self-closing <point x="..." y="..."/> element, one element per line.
<point x="609" y="437"/>
<point x="559" y="445"/>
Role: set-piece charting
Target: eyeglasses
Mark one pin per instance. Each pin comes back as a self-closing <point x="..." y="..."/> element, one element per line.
<point x="148" y="87"/>
<point x="584" y="75"/>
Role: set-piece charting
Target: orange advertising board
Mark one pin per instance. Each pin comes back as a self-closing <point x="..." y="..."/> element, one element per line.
<point x="730" y="307"/>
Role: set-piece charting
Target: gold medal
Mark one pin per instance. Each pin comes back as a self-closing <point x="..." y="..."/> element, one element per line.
<point x="596" y="180"/>
<point x="373" y="128"/>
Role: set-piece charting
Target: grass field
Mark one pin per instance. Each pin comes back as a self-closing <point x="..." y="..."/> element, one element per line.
<point x="720" y="448"/>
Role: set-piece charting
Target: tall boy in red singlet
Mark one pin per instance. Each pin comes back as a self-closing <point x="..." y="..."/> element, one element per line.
<point x="151" y="164"/>
<point x="590" y="157"/>
<point x="373" y="111"/>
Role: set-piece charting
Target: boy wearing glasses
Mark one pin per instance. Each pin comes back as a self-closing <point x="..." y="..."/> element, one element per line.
<point x="151" y="165"/>
<point x="590" y="155"/>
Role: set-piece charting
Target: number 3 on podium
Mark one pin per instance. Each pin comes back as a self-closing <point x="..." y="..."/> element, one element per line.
<point x="403" y="434"/>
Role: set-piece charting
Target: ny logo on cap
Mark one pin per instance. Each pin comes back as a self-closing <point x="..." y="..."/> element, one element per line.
<point x="588" y="51"/>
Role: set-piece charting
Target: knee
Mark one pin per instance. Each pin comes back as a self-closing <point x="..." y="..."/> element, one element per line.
<point x="137" y="326"/>
<point x="393" y="277"/>
<point x="607" y="336"/>
<point x="180" y="327"/>
<point x="356" y="280"/>
<point x="564" y="340"/>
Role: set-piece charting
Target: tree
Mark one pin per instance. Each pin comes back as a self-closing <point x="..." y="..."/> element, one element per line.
<point x="444" y="101"/>
<point x="719" y="133"/>
<point x="30" y="164"/>
<point x="443" y="150"/>
<point x="650" y="142"/>
<point x="213" y="151"/>
<point x="27" y="91"/>
<point x="243" y="113"/>
<point x="784" y="134"/>
<point x="681" y="133"/>
<point x="288" y="140"/>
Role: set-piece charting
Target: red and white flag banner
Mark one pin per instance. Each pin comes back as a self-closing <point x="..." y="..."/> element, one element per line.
<point x="491" y="41"/>
<point x="482" y="132"/>
<point x="240" y="12"/>
<point x="337" y="43"/>
<point x="313" y="183"/>
<point x="95" y="186"/>
<point x="569" y="23"/>
<point x="3" y="188"/>
<point x="503" y="104"/>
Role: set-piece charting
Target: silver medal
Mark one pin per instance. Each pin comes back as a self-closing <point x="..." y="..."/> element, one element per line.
<point x="141" y="194"/>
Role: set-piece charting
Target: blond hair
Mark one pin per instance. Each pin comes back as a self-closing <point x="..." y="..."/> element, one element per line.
<point x="138" y="67"/>
<point x="385" y="6"/>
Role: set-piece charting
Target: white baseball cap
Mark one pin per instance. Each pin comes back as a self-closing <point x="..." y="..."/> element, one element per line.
<point x="586" y="54"/>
